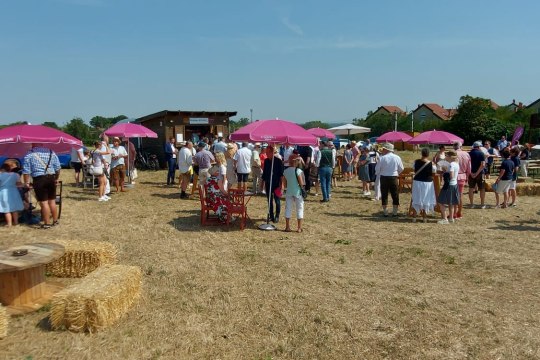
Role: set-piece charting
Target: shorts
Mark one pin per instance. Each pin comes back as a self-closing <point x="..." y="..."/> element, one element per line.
<point x="77" y="166"/>
<point x="478" y="181"/>
<point x="185" y="177"/>
<point x="513" y="185"/>
<point x="203" y="175"/>
<point x="119" y="172"/>
<point x="503" y="186"/>
<point x="45" y="187"/>
<point x="461" y="185"/>
<point x="242" y="177"/>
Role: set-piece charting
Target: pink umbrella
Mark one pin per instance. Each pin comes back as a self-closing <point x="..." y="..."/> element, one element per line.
<point x="322" y="133"/>
<point x="394" y="136"/>
<point x="274" y="132"/>
<point x="17" y="140"/>
<point x="128" y="130"/>
<point x="435" y="137"/>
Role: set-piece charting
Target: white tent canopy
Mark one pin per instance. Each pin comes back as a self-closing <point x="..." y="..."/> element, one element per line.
<point x="349" y="129"/>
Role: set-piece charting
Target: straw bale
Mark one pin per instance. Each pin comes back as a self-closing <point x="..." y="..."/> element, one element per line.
<point x="530" y="189"/>
<point x="81" y="258"/>
<point x="3" y="322"/>
<point x="98" y="300"/>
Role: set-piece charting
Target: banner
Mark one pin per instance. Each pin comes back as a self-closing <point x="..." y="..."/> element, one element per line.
<point x="517" y="135"/>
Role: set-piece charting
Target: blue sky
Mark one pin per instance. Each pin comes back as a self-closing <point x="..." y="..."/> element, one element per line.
<point x="297" y="60"/>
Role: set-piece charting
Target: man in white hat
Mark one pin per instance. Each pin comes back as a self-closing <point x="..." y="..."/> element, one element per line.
<point x="389" y="167"/>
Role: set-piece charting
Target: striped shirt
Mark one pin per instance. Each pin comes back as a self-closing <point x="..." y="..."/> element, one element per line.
<point x="36" y="161"/>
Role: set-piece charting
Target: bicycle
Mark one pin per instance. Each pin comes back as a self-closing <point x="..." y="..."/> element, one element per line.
<point x="145" y="161"/>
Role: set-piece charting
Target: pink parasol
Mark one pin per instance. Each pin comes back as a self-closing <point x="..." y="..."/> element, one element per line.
<point x="394" y="136"/>
<point x="322" y="133"/>
<point x="128" y="130"/>
<point x="17" y="140"/>
<point x="274" y="132"/>
<point x="435" y="137"/>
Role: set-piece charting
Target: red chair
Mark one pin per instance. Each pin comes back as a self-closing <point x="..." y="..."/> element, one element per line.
<point x="237" y="207"/>
<point x="206" y="217"/>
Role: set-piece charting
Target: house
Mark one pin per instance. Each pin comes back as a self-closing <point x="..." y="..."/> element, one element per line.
<point x="535" y="105"/>
<point x="183" y="125"/>
<point x="388" y="110"/>
<point x="431" y="111"/>
<point x="514" y="107"/>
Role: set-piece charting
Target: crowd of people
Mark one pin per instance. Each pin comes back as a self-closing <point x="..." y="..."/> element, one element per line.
<point x="278" y="172"/>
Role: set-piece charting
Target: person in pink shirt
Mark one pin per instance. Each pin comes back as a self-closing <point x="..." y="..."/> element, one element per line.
<point x="464" y="161"/>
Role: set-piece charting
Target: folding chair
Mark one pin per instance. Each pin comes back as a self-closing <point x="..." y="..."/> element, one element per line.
<point x="237" y="207"/>
<point x="58" y="198"/>
<point x="87" y="177"/>
<point x="206" y="217"/>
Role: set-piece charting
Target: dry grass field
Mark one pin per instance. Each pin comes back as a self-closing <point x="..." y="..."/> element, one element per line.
<point x="353" y="285"/>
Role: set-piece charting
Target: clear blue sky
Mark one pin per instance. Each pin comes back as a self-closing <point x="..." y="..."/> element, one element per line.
<point x="297" y="60"/>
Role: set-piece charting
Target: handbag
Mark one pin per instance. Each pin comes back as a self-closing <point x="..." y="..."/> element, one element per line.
<point x="302" y="189"/>
<point x="95" y="170"/>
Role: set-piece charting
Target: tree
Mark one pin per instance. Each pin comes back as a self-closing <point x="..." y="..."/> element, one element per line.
<point x="476" y="120"/>
<point x="51" y="124"/>
<point x="315" y="124"/>
<point x="235" y="125"/>
<point x="78" y="128"/>
<point x="102" y="123"/>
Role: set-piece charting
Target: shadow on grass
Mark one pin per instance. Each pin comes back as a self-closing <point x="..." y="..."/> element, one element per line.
<point x="175" y="195"/>
<point x="523" y="226"/>
<point x="375" y="217"/>
<point x="45" y="324"/>
<point x="192" y="223"/>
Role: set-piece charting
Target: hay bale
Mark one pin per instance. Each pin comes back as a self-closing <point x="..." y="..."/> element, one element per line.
<point x="528" y="189"/>
<point x="488" y="184"/>
<point x="81" y="258"/>
<point x="3" y="322"/>
<point x="98" y="300"/>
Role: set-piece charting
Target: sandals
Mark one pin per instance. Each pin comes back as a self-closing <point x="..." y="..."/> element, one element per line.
<point x="45" y="226"/>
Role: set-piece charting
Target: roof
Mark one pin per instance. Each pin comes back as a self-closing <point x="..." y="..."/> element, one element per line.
<point x="493" y="104"/>
<point x="533" y="103"/>
<point x="391" y="109"/>
<point x="438" y="110"/>
<point x="189" y="112"/>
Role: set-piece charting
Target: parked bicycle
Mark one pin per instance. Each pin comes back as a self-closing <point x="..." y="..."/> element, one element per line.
<point x="145" y="161"/>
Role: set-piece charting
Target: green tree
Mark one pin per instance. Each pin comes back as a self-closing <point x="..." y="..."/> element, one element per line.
<point x="51" y="124"/>
<point x="315" y="124"/>
<point x="79" y="129"/>
<point x="235" y="125"/>
<point x="102" y="123"/>
<point x="476" y="120"/>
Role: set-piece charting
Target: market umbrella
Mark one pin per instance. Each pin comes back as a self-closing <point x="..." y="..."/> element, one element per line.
<point x="435" y="137"/>
<point x="349" y="129"/>
<point x="17" y="140"/>
<point x="322" y="133"/>
<point x="125" y="129"/>
<point x="274" y="132"/>
<point x="394" y="136"/>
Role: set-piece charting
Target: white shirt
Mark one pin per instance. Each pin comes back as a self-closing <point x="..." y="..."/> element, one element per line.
<point x="120" y="151"/>
<point x="185" y="159"/>
<point x="454" y="166"/>
<point x="242" y="160"/>
<point x="389" y="165"/>
<point x="75" y="154"/>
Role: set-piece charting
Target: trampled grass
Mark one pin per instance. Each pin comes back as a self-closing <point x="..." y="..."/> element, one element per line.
<point x="353" y="285"/>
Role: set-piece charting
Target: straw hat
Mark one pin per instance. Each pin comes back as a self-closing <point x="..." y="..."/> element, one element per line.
<point x="388" y="146"/>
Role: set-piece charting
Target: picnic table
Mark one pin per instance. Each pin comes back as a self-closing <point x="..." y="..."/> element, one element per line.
<point x="22" y="276"/>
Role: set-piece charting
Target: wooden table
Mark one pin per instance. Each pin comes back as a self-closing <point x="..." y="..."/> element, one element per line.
<point x="22" y="278"/>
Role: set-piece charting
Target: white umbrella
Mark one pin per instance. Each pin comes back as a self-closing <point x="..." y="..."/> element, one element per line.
<point x="349" y="129"/>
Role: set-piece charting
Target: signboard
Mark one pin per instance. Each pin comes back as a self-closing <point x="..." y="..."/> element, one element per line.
<point x="517" y="135"/>
<point x="179" y="137"/>
<point x="198" y="121"/>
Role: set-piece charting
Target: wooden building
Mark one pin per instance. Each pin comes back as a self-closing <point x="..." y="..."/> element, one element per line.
<point x="183" y="125"/>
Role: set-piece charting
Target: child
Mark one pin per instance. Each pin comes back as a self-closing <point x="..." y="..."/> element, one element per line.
<point x="10" y="199"/>
<point x="504" y="179"/>
<point x="449" y="194"/>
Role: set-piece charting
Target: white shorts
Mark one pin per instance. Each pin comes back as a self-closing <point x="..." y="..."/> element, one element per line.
<point x="503" y="186"/>
<point x="513" y="185"/>
<point x="298" y="201"/>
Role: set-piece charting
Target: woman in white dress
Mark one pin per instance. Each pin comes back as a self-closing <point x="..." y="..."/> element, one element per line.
<point x="423" y="191"/>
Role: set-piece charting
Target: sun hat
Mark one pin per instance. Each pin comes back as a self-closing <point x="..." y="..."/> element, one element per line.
<point x="477" y="144"/>
<point x="388" y="146"/>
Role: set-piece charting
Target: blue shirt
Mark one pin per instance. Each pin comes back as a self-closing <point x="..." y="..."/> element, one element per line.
<point x="36" y="160"/>
<point x="517" y="163"/>
<point x="477" y="156"/>
<point x="508" y="166"/>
